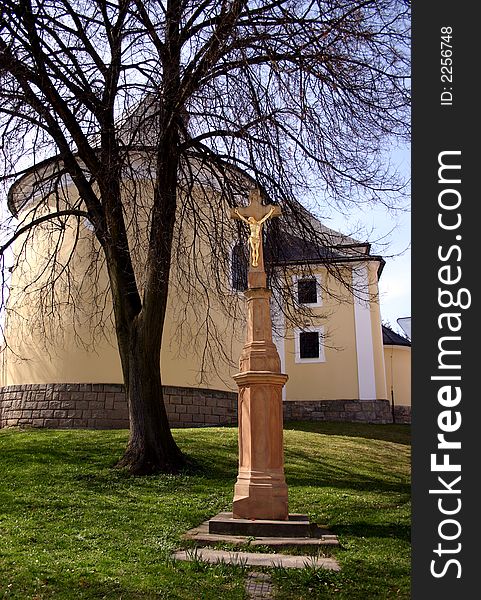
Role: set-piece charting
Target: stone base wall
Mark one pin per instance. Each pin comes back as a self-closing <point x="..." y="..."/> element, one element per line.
<point x="67" y="405"/>
<point x="194" y="407"/>
<point x="361" y="411"/>
<point x="402" y="414"/>
<point x="104" y="406"/>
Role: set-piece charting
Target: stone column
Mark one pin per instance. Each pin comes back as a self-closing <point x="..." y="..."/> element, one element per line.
<point x="260" y="491"/>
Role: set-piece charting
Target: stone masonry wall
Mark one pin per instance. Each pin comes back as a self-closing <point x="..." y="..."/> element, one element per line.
<point x="402" y="414"/>
<point x="104" y="406"/>
<point x="362" y="411"/>
<point x="94" y="406"/>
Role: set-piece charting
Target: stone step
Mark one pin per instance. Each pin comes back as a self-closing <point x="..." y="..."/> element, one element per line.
<point x="256" y="559"/>
<point x="202" y="536"/>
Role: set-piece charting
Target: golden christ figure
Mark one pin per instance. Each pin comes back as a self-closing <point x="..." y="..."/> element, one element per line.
<point x="255" y="233"/>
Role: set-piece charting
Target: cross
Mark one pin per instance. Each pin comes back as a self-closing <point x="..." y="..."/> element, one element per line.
<point x="255" y="208"/>
<point x="254" y="215"/>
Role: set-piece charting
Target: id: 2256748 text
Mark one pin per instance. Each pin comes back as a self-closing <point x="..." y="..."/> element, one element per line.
<point x="446" y="64"/>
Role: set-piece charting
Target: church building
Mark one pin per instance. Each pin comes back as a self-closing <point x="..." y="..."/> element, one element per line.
<point x="61" y="368"/>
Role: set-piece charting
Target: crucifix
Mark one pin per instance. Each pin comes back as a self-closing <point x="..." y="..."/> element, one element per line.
<point x="255" y="215"/>
<point x="260" y="491"/>
<point x="260" y="503"/>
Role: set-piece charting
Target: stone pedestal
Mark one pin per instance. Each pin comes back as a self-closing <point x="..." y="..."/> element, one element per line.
<point x="260" y="491"/>
<point x="296" y="526"/>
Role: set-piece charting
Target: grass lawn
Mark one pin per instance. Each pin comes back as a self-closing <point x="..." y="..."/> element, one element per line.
<point x="73" y="527"/>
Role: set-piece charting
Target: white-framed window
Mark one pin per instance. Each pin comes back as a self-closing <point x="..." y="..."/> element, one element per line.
<point x="307" y="290"/>
<point x="308" y="345"/>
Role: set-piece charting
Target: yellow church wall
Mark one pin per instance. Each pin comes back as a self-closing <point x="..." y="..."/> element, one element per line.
<point x="70" y="354"/>
<point x="64" y="361"/>
<point x="64" y="364"/>
<point x="61" y="346"/>
<point x="398" y="373"/>
<point x="188" y="357"/>
<point x="336" y="377"/>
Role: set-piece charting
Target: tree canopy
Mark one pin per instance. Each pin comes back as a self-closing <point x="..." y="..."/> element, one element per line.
<point x="292" y="96"/>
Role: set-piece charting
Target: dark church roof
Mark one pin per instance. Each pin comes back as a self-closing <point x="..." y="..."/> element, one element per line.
<point x="290" y="249"/>
<point x="390" y="338"/>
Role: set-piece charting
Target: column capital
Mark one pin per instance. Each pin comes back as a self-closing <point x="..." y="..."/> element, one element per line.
<point x="260" y="378"/>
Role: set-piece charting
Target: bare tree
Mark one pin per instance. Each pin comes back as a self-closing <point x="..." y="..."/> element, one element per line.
<point x="202" y="99"/>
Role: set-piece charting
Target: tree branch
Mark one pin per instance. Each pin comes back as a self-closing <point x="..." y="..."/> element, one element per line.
<point x="42" y="219"/>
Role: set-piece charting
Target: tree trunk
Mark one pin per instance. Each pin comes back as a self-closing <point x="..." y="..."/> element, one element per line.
<point x="151" y="447"/>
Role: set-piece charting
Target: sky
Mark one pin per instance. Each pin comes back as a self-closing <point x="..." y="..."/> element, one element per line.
<point x="393" y="230"/>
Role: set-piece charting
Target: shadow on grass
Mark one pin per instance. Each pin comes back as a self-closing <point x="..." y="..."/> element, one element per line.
<point x="211" y="461"/>
<point x="216" y="464"/>
<point x="48" y="446"/>
<point x="390" y="432"/>
<point x="362" y="529"/>
<point x="301" y="471"/>
<point x="88" y="588"/>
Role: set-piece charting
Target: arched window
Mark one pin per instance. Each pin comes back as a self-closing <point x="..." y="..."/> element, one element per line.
<point x="239" y="267"/>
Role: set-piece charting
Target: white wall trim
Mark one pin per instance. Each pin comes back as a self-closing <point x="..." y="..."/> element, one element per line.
<point x="364" y="342"/>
